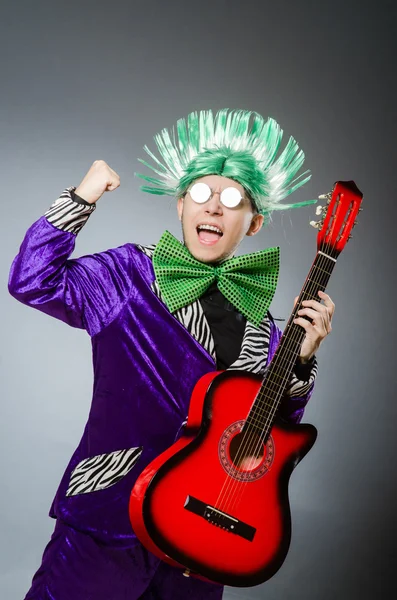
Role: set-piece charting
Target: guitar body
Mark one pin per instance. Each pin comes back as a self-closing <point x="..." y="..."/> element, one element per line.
<point x="216" y="501"/>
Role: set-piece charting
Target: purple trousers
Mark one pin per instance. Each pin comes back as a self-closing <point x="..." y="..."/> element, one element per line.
<point x="77" y="567"/>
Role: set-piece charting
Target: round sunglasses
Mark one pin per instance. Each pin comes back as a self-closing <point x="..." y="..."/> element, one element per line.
<point x="201" y="192"/>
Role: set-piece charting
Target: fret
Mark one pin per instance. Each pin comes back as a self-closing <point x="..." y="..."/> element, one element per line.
<point x="274" y="375"/>
<point x="322" y="270"/>
<point x="328" y="273"/>
<point x="288" y="343"/>
<point x="258" y="424"/>
<point x="317" y="283"/>
<point x="261" y="419"/>
<point x="259" y="427"/>
<point x="260" y="405"/>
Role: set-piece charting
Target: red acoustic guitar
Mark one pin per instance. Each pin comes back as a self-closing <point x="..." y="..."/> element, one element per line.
<point x="216" y="502"/>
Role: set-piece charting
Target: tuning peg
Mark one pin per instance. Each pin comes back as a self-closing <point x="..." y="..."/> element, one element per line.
<point x="315" y="224"/>
<point x="360" y="209"/>
<point x="319" y="210"/>
<point x="326" y="197"/>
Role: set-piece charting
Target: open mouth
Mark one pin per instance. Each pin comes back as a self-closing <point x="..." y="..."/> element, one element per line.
<point x="208" y="237"/>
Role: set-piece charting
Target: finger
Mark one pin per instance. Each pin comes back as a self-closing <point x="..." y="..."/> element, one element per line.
<point x="304" y="323"/>
<point x="327" y="300"/>
<point x="317" y="305"/>
<point x="310" y="312"/>
<point x="296" y="300"/>
<point x="319" y="319"/>
<point x="315" y="313"/>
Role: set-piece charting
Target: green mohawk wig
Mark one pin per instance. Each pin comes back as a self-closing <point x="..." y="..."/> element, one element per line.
<point x="225" y="145"/>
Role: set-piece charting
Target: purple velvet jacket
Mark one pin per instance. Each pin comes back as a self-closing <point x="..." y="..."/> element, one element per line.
<point x="139" y="349"/>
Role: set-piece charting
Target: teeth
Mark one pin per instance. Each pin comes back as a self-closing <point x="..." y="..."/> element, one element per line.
<point x="211" y="227"/>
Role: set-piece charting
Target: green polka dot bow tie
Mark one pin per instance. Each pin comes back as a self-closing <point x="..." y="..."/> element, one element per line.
<point x="247" y="281"/>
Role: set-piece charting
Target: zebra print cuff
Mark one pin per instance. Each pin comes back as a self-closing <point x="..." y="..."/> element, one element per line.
<point x="69" y="214"/>
<point x="300" y="387"/>
<point x="304" y="370"/>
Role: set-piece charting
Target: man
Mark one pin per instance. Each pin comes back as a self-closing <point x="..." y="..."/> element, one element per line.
<point x="159" y="318"/>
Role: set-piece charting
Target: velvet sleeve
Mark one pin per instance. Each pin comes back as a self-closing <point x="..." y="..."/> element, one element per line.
<point x="86" y="292"/>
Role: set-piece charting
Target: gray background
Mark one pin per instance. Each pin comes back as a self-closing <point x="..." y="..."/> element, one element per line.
<point x="82" y="81"/>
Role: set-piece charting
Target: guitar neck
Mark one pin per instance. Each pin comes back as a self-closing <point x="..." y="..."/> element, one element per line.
<point x="278" y="374"/>
<point x="334" y="232"/>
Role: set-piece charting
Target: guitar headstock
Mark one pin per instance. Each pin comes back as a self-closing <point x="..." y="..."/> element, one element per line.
<point x="338" y="216"/>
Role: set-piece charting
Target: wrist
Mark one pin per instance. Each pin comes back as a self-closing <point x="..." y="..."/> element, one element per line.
<point x="79" y="191"/>
<point x="304" y="360"/>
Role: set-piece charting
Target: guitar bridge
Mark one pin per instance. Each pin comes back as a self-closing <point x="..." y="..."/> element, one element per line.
<point x="219" y="518"/>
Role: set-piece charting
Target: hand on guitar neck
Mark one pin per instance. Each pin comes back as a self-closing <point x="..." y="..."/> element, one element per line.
<point x="317" y="324"/>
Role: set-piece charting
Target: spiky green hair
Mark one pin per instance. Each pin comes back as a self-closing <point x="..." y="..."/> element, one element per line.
<point x="224" y="146"/>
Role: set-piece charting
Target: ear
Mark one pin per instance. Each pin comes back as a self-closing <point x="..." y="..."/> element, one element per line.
<point x="256" y="224"/>
<point x="179" y="207"/>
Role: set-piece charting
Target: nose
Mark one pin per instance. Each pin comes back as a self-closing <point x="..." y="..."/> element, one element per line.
<point x="214" y="204"/>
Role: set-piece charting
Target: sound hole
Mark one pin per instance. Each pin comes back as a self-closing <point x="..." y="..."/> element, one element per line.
<point x="246" y="451"/>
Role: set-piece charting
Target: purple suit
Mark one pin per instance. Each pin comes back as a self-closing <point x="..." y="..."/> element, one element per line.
<point x="138" y="408"/>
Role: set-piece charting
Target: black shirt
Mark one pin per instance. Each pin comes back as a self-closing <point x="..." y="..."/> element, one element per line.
<point x="227" y="326"/>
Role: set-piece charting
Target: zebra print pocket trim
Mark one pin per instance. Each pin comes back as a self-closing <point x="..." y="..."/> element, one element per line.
<point x="102" y="471"/>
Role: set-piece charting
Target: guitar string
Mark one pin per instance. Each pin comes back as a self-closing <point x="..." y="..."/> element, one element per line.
<point x="251" y="438"/>
<point x="237" y="499"/>
<point x="253" y="452"/>
<point x="254" y="437"/>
